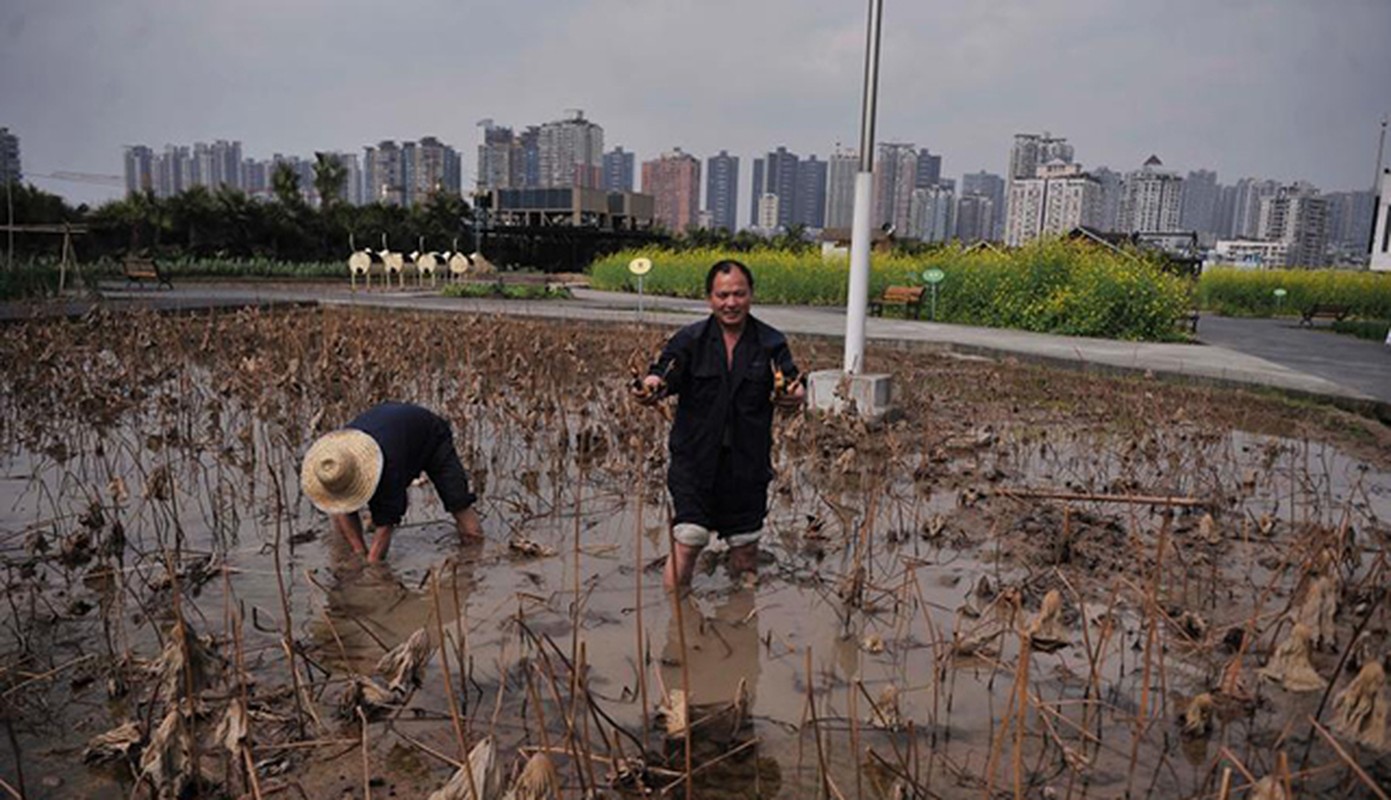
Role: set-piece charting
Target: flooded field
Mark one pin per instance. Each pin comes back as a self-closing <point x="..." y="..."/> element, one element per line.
<point x="1031" y="583"/>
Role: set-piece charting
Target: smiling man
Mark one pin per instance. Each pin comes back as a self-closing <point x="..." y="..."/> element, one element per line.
<point x="727" y="373"/>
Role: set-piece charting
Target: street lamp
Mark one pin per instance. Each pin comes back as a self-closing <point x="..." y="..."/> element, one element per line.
<point x="831" y="389"/>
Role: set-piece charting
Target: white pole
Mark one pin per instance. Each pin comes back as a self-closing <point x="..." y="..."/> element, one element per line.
<point x="858" y="296"/>
<point x="858" y="293"/>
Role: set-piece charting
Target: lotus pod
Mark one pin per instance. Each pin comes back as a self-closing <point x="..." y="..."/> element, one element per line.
<point x="117" y="743"/>
<point x="1317" y="609"/>
<point x="1197" y="717"/>
<point x="539" y="780"/>
<point x="1289" y="666"/>
<point x="673" y="712"/>
<point x="403" y="665"/>
<point x="1361" y="709"/>
<point x="1046" y="632"/>
<point x="476" y="780"/>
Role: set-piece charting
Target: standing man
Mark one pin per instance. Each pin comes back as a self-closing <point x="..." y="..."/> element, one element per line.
<point x="373" y="460"/>
<point x="727" y="373"/>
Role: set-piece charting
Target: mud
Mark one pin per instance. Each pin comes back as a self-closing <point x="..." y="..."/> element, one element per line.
<point x="890" y="645"/>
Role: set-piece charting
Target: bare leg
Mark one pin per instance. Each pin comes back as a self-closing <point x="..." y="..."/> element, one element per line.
<point x="350" y="526"/>
<point x="381" y="543"/>
<point x="470" y="527"/>
<point x="680" y="565"/>
<point x="743" y="558"/>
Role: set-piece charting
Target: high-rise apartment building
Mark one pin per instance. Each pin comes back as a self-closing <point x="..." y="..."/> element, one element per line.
<point x="932" y="214"/>
<point x="1199" y="213"/>
<point x="1152" y="199"/>
<point x="1061" y="197"/>
<point x="1031" y="151"/>
<point x="722" y="191"/>
<point x="383" y="173"/>
<point x="571" y="152"/>
<point x="673" y="180"/>
<point x="499" y="158"/>
<point x="1350" y="219"/>
<point x="975" y="218"/>
<point x="841" y="169"/>
<point x="776" y="174"/>
<point x="1246" y="206"/>
<point x="810" y="205"/>
<point x="429" y="166"/>
<point x="1298" y="216"/>
<point x="11" y="170"/>
<point x="618" y="170"/>
<point x="1108" y="217"/>
<point x="991" y="186"/>
<point x="895" y="178"/>
<point x="139" y="169"/>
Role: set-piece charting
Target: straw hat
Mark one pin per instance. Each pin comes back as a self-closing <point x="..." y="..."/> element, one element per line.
<point x="341" y="471"/>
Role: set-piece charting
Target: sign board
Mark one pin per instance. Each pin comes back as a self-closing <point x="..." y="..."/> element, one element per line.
<point x="933" y="276"/>
<point x="1280" y="292"/>
<point x="640" y="266"/>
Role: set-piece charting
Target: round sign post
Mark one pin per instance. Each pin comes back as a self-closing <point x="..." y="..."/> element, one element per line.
<point x="640" y="267"/>
<point x="932" y="277"/>
<point x="1279" y="298"/>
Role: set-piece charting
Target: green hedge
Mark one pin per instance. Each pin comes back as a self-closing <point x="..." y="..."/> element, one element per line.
<point x="1051" y="286"/>
<point x="508" y="291"/>
<point x="1251" y="293"/>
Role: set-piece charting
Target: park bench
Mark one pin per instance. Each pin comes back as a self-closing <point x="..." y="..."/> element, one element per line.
<point x="138" y="269"/>
<point x="1323" y="311"/>
<point x="910" y="297"/>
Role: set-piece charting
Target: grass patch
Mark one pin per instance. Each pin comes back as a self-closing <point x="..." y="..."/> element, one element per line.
<point x="1251" y="293"/>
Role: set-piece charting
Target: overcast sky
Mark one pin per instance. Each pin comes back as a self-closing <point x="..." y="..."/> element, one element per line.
<point x="1285" y="89"/>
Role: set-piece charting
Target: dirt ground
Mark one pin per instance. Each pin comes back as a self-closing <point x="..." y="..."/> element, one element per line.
<point x="1029" y="581"/>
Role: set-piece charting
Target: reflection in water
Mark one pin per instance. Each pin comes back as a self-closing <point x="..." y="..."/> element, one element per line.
<point x="720" y="679"/>
<point x="371" y="609"/>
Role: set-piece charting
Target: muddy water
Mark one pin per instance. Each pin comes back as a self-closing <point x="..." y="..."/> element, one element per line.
<point x="911" y="673"/>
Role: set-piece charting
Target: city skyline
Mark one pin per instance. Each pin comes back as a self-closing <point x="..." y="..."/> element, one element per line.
<point x="1289" y="91"/>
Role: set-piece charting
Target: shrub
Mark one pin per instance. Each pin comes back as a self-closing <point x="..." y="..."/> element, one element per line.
<point x="1251" y="293"/>
<point x="510" y="291"/>
<point x="1051" y="286"/>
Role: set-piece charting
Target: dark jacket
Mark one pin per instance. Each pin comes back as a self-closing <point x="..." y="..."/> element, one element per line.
<point x="721" y="407"/>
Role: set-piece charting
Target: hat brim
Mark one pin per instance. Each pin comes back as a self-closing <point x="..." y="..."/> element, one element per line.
<point x="354" y="444"/>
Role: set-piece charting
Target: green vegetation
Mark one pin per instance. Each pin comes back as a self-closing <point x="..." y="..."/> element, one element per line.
<point x="1052" y="286"/>
<point x="508" y="291"/>
<point x="1363" y="328"/>
<point x="1251" y="293"/>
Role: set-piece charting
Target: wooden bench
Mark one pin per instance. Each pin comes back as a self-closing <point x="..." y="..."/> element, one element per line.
<point x="910" y="297"/>
<point x="1323" y="311"/>
<point x="145" y="269"/>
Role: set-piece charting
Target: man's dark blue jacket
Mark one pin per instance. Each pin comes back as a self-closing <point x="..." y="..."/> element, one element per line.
<point x="723" y="407"/>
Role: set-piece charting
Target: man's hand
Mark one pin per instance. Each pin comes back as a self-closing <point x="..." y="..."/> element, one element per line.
<point x="794" y="395"/>
<point x="649" y="390"/>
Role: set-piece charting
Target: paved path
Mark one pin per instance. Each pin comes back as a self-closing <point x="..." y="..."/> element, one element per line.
<point x="1274" y="353"/>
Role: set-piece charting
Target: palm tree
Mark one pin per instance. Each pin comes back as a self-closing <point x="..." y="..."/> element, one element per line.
<point x="330" y="177"/>
<point x="284" y="182"/>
